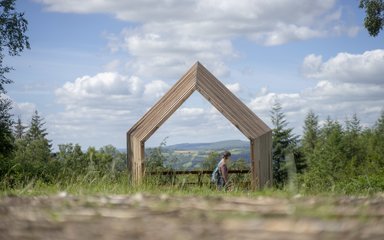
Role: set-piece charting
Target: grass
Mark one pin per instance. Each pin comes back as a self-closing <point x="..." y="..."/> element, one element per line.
<point x="94" y="184"/>
<point x="120" y="185"/>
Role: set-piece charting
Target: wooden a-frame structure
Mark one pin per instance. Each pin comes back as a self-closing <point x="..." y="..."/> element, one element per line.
<point x="200" y="79"/>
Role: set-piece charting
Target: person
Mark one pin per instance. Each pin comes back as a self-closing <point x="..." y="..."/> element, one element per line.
<point x="222" y="180"/>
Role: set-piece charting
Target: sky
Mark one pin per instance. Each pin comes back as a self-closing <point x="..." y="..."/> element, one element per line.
<point x="95" y="67"/>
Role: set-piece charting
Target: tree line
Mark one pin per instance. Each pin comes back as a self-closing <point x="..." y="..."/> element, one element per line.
<point x="29" y="157"/>
<point x="329" y="157"/>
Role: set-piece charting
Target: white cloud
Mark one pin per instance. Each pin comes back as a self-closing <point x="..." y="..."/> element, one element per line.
<point x="113" y="65"/>
<point x="348" y="83"/>
<point x="110" y="90"/>
<point x="165" y="37"/>
<point x="159" y="52"/>
<point x="283" y="33"/>
<point x="195" y="125"/>
<point x="311" y="65"/>
<point x="241" y="14"/>
<point x="234" y="87"/>
<point x="102" y="89"/>
<point x="364" y="68"/>
<point x="106" y="105"/>
<point x="103" y="106"/>
<point x="191" y="112"/>
<point x="101" y="84"/>
<point x="169" y="36"/>
<point x="155" y="89"/>
<point x="22" y="110"/>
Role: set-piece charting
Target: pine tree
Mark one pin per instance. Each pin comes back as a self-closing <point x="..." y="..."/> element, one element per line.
<point x="6" y="122"/>
<point x="35" y="147"/>
<point x="379" y="139"/>
<point x="379" y="126"/>
<point x="308" y="141"/>
<point x="36" y="130"/>
<point x="283" y="143"/>
<point x="331" y="158"/>
<point x="354" y="148"/>
<point x="19" y="131"/>
<point x="310" y="133"/>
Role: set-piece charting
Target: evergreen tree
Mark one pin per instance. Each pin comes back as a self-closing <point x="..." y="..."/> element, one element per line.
<point x="35" y="147"/>
<point x="283" y="143"/>
<point x="328" y="161"/>
<point x="36" y="129"/>
<point x="353" y="147"/>
<point x="378" y="142"/>
<point x="308" y="141"/>
<point x="379" y="126"/>
<point x="19" y="131"/>
<point x="310" y="133"/>
<point x="6" y="122"/>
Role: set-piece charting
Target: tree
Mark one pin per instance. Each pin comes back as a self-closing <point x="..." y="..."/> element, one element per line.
<point x="13" y="26"/>
<point x="35" y="146"/>
<point x="379" y="126"/>
<point x="309" y="140"/>
<point x="13" y="40"/>
<point x="354" y="148"/>
<point x="331" y="158"/>
<point x="155" y="160"/>
<point x="19" y="131"/>
<point x="36" y="129"/>
<point x="108" y="159"/>
<point x="374" y="19"/>
<point x="73" y="160"/>
<point x="119" y="159"/>
<point x="283" y="143"/>
<point x="310" y="133"/>
<point x="6" y="122"/>
<point x="211" y="161"/>
<point x="378" y="145"/>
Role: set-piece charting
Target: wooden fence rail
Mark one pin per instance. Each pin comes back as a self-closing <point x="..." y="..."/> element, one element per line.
<point x="199" y="174"/>
<point x="178" y="172"/>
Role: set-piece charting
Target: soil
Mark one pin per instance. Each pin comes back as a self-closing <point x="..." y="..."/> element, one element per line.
<point x="146" y="216"/>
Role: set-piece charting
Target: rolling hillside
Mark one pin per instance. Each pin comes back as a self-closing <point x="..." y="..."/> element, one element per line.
<point x="188" y="156"/>
<point x="222" y="145"/>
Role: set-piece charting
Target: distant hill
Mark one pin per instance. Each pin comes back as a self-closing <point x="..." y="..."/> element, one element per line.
<point x="189" y="156"/>
<point x="221" y="145"/>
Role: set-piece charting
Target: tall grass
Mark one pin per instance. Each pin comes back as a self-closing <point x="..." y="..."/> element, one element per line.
<point x="119" y="184"/>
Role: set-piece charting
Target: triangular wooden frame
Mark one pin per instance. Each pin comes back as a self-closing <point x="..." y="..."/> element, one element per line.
<point x="200" y="79"/>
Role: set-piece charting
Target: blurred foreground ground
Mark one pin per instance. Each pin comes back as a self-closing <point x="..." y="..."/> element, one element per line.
<point x="144" y="216"/>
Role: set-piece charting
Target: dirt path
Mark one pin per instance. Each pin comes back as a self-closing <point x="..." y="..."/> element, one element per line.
<point x="142" y="216"/>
